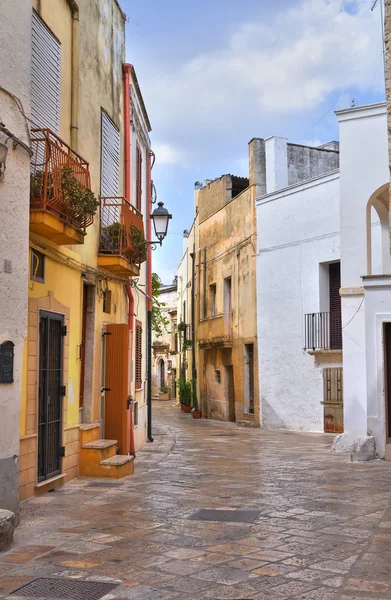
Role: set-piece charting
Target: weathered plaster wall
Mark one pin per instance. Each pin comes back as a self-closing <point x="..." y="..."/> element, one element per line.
<point x="306" y="163"/>
<point x="228" y="236"/>
<point x="298" y="229"/>
<point x="15" y="65"/>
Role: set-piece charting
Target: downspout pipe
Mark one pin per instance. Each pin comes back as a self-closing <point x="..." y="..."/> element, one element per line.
<point x="193" y="333"/>
<point x="126" y="69"/>
<point x="149" y="298"/>
<point x="75" y="76"/>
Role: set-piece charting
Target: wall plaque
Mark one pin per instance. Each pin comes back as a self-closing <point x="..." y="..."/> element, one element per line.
<point x="7" y="362"/>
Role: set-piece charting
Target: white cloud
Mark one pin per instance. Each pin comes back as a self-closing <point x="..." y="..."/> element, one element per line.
<point x="286" y="66"/>
<point x="167" y="154"/>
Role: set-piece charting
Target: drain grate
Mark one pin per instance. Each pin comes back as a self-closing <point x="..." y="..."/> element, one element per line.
<point x="64" y="589"/>
<point x="228" y="516"/>
<point x="104" y="484"/>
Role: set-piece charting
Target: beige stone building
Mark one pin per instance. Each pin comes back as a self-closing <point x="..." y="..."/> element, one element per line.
<point x="217" y="294"/>
<point x="164" y="346"/>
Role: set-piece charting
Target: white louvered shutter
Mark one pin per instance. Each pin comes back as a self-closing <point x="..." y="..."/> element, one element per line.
<point x="110" y="158"/>
<point x="45" y="76"/>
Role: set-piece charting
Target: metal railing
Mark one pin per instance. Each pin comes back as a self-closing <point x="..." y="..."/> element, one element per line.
<point x="51" y="156"/>
<point x="215" y="329"/>
<point x="117" y="216"/>
<point x="323" y="331"/>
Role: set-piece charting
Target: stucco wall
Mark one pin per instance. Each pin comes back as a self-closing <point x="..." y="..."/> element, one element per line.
<point x="297" y="230"/>
<point x="306" y="163"/>
<point x="15" y="50"/>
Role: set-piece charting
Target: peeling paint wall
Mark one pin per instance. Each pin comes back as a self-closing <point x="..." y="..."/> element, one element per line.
<point x="15" y="66"/>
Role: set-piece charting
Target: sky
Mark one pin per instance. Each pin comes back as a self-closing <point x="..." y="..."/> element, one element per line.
<point x="216" y="73"/>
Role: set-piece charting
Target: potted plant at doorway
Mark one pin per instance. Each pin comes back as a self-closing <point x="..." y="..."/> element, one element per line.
<point x="195" y="411"/>
<point x="184" y="388"/>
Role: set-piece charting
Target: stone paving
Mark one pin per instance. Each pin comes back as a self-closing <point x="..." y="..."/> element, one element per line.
<point x="323" y="529"/>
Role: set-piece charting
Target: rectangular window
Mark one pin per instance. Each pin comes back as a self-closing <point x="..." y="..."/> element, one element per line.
<point x="227" y="296"/>
<point x="139" y="356"/>
<point x="135" y="414"/>
<point x="37" y="266"/>
<point x="110" y="158"/>
<point x="107" y="301"/>
<point x="335" y="306"/>
<point x="249" y="378"/>
<point x="204" y="298"/>
<point x="212" y="299"/>
<point x="45" y="76"/>
<point x="139" y="172"/>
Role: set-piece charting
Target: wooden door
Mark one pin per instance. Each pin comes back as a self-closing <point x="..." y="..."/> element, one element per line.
<point x="116" y="385"/>
<point x="387" y="369"/>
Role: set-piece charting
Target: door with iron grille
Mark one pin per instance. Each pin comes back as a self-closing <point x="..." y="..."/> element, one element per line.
<point x="50" y="393"/>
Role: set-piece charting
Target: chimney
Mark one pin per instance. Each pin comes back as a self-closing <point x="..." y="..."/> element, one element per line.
<point x="257" y="164"/>
<point x="276" y="150"/>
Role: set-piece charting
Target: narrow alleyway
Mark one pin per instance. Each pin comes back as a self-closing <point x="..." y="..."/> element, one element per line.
<point x="319" y="526"/>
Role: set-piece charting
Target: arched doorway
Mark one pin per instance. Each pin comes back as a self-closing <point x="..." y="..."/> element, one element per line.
<point x="378" y="233"/>
<point x="162" y="372"/>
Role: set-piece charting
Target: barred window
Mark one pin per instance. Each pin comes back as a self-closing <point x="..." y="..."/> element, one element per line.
<point x="139" y="355"/>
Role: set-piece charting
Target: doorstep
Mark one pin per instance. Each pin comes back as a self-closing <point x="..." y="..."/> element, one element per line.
<point x="49" y="484"/>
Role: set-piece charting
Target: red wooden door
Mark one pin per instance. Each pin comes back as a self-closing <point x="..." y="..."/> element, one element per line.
<point x="116" y="384"/>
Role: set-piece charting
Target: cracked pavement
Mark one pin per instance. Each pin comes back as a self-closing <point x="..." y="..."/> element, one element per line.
<point x="323" y="529"/>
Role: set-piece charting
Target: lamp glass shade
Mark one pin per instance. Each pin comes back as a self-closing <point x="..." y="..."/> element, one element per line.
<point x="160" y="217"/>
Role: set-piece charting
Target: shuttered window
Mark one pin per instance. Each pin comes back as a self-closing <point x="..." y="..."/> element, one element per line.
<point x="139" y="356"/>
<point x="110" y="157"/>
<point x="139" y="167"/>
<point x="335" y="306"/>
<point x="45" y="76"/>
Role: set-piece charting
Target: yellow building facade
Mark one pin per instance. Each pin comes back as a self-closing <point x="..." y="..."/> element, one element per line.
<point x="82" y="265"/>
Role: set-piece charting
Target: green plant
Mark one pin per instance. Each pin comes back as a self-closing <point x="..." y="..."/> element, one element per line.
<point x="185" y="392"/>
<point x="139" y="244"/>
<point x="187" y="345"/>
<point x="182" y="326"/>
<point x="37" y="181"/>
<point x="80" y="200"/>
<point x="159" y="319"/>
<point x="111" y="236"/>
<point x="164" y="390"/>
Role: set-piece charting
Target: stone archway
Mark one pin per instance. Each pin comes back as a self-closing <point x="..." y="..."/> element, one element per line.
<point x="378" y="250"/>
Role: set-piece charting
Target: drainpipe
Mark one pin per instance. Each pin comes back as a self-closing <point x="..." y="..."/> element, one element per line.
<point x="149" y="295"/>
<point x="75" y="75"/>
<point x="126" y="68"/>
<point x="193" y="336"/>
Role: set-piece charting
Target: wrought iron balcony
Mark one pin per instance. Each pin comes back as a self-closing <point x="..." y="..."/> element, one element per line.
<point x="122" y="246"/>
<point x="59" y="180"/>
<point x="215" y="330"/>
<point x="323" y="331"/>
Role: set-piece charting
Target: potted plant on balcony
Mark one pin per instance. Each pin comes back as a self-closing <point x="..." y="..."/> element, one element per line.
<point x="182" y="326"/>
<point x="112" y="237"/>
<point x="139" y="244"/>
<point x="37" y="182"/>
<point x="195" y="411"/>
<point x="79" y="200"/>
<point x="184" y="388"/>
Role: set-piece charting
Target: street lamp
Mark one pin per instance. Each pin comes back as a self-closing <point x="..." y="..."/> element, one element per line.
<point x="160" y="218"/>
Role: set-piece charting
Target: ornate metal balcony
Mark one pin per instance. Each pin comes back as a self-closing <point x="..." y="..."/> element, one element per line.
<point x="215" y="330"/>
<point x="59" y="180"/>
<point x="122" y="245"/>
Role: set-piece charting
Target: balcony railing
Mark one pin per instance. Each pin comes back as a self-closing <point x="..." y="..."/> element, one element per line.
<point x="323" y="331"/>
<point x="117" y="216"/>
<point x="52" y="159"/>
<point x="215" y="330"/>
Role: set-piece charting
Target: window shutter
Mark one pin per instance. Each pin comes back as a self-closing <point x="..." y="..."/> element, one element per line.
<point x="110" y="157"/>
<point x="139" y="341"/>
<point x="335" y="306"/>
<point x="45" y="76"/>
<point x="139" y="166"/>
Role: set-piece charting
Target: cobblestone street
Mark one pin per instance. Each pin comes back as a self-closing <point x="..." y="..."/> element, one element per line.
<point x="321" y="528"/>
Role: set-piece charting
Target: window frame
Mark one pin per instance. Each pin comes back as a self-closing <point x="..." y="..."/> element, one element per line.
<point x="138" y="356"/>
<point x="33" y="277"/>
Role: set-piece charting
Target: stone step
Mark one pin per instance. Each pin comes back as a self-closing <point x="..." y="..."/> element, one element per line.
<point x="89" y="432"/>
<point x="99" y="444"/>
<point x="118" y="460"/>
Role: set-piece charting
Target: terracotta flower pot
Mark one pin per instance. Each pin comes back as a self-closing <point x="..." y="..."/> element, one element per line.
<point x="182" y="405"/>
<point x="187" y="409"/>
<point x="196" y="414"/>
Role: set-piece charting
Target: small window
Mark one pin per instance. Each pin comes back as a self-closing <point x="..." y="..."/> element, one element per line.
<point x="37" y="266"/>
<point x="135" y="414"/>
<point x="107" y="301"/>
<point x="139" y="172"/>
<point x="218" y="376"/>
